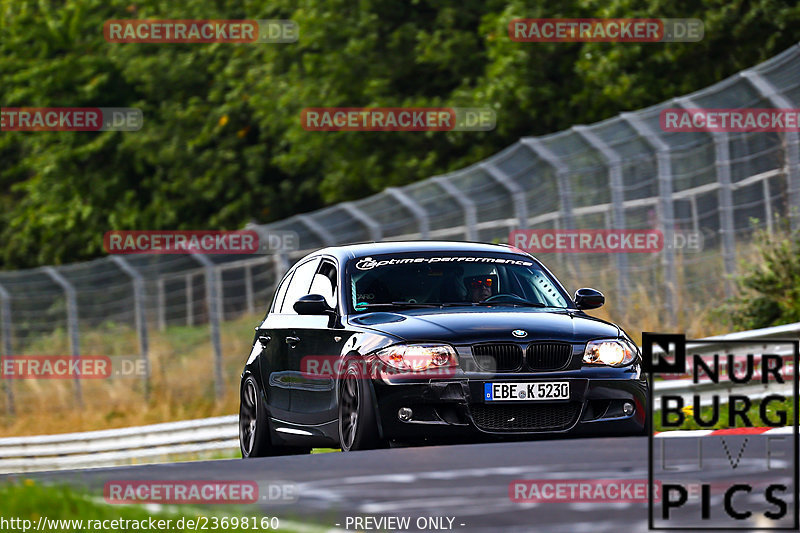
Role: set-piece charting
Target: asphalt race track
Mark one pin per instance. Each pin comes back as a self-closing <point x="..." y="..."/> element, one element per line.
<point x="470" y="483"/>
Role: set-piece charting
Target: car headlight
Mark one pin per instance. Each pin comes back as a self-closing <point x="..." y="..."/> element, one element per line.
<point x="611" y="352"/>
<point x="418" y="357"/>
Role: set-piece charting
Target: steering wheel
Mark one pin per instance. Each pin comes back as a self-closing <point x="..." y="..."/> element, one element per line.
<point x="497" y="297"/>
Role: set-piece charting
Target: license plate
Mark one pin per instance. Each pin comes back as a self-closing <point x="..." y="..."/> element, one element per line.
<point x="526" y="391"/>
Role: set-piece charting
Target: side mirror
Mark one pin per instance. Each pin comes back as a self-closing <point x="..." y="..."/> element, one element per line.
<point x="312" y="304"/>
<point x="589" y="298"/>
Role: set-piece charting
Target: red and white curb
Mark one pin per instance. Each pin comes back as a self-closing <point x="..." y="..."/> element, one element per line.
<point x="786" y="430"/>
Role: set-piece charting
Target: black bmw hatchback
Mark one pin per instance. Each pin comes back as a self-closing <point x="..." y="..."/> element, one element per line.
<point x="412" y="342"/>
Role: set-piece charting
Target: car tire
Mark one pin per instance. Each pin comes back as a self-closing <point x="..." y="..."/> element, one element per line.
<point x="254" y="430"/>
<point x="358" y="421"/>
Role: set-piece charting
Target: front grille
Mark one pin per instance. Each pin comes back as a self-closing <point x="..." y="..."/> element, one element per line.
<point x="497" y="357"/>
<point x="525" y="417"/>
<point x="548" y="355"/>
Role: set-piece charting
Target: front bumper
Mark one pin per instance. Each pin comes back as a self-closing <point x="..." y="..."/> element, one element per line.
<point x="454" y="409"/>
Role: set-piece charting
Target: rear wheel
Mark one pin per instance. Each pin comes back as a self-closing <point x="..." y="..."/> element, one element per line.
<point x="358" y="422"/>
<point x="254" y="430"/>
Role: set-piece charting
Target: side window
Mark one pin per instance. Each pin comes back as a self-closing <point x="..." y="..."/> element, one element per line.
<point x="324" y="282"/>
<point x="280" y="294"/>
<point x="299" y="285"/>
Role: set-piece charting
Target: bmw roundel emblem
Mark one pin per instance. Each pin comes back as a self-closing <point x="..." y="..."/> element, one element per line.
<point x="519" y="333"/>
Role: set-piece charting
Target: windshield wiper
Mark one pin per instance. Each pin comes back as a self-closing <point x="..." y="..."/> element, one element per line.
<point x="385" y="305"/>
<point x="361" y="307"/>
<point x="522" y="303"/>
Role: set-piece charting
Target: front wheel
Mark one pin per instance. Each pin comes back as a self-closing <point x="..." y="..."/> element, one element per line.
<point x="254" y="430"/>
<point x="358" y="422"/>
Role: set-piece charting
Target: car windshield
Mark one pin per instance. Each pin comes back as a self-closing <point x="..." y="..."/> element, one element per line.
<point x="437" y="279"/>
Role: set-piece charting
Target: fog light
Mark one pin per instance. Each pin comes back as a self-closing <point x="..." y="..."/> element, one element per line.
<point x="404" y="414"/>
<point x="627" y="408"/>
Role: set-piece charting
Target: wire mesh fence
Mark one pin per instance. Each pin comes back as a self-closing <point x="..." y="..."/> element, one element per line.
<point x="623" y="173"/>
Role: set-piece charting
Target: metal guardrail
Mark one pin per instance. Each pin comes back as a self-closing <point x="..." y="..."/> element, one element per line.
<point x="162" y="442"/>
<point x="94" y="449"/>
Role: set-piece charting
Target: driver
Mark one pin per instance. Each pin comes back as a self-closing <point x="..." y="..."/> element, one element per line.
<point x="480" y="287"/>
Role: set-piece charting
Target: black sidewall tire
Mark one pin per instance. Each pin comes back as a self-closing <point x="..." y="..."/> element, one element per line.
<point x="261" y="444"/>
<point x="367" y="436"/>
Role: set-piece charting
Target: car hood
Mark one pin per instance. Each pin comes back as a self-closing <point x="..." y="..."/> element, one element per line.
<point x="480" y="324"/>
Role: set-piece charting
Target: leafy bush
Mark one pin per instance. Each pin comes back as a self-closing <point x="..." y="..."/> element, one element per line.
<point x="769" y="288"/>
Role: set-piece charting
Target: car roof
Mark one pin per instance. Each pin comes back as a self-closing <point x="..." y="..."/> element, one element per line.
<point x="344" y="253"/>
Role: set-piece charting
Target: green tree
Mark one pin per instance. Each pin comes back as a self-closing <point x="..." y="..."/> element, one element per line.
<point x="222" y="142"/>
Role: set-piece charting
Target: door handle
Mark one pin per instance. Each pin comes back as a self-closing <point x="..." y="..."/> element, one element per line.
<point x="292" y="341"/>
<point x="263" y="340"/>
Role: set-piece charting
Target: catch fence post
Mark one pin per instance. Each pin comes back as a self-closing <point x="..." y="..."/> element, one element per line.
<point x="791" y="148"/>
<point x="666" y="209"/>
<point x="614" y="162"/>
<point x="139" y="297"/>
<point x="214" y="316"/>
<point x="5" y="347"/>
<point x="722" y="159"/>
<point x="467" y="206"/>
<point x="72" y="321"/>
